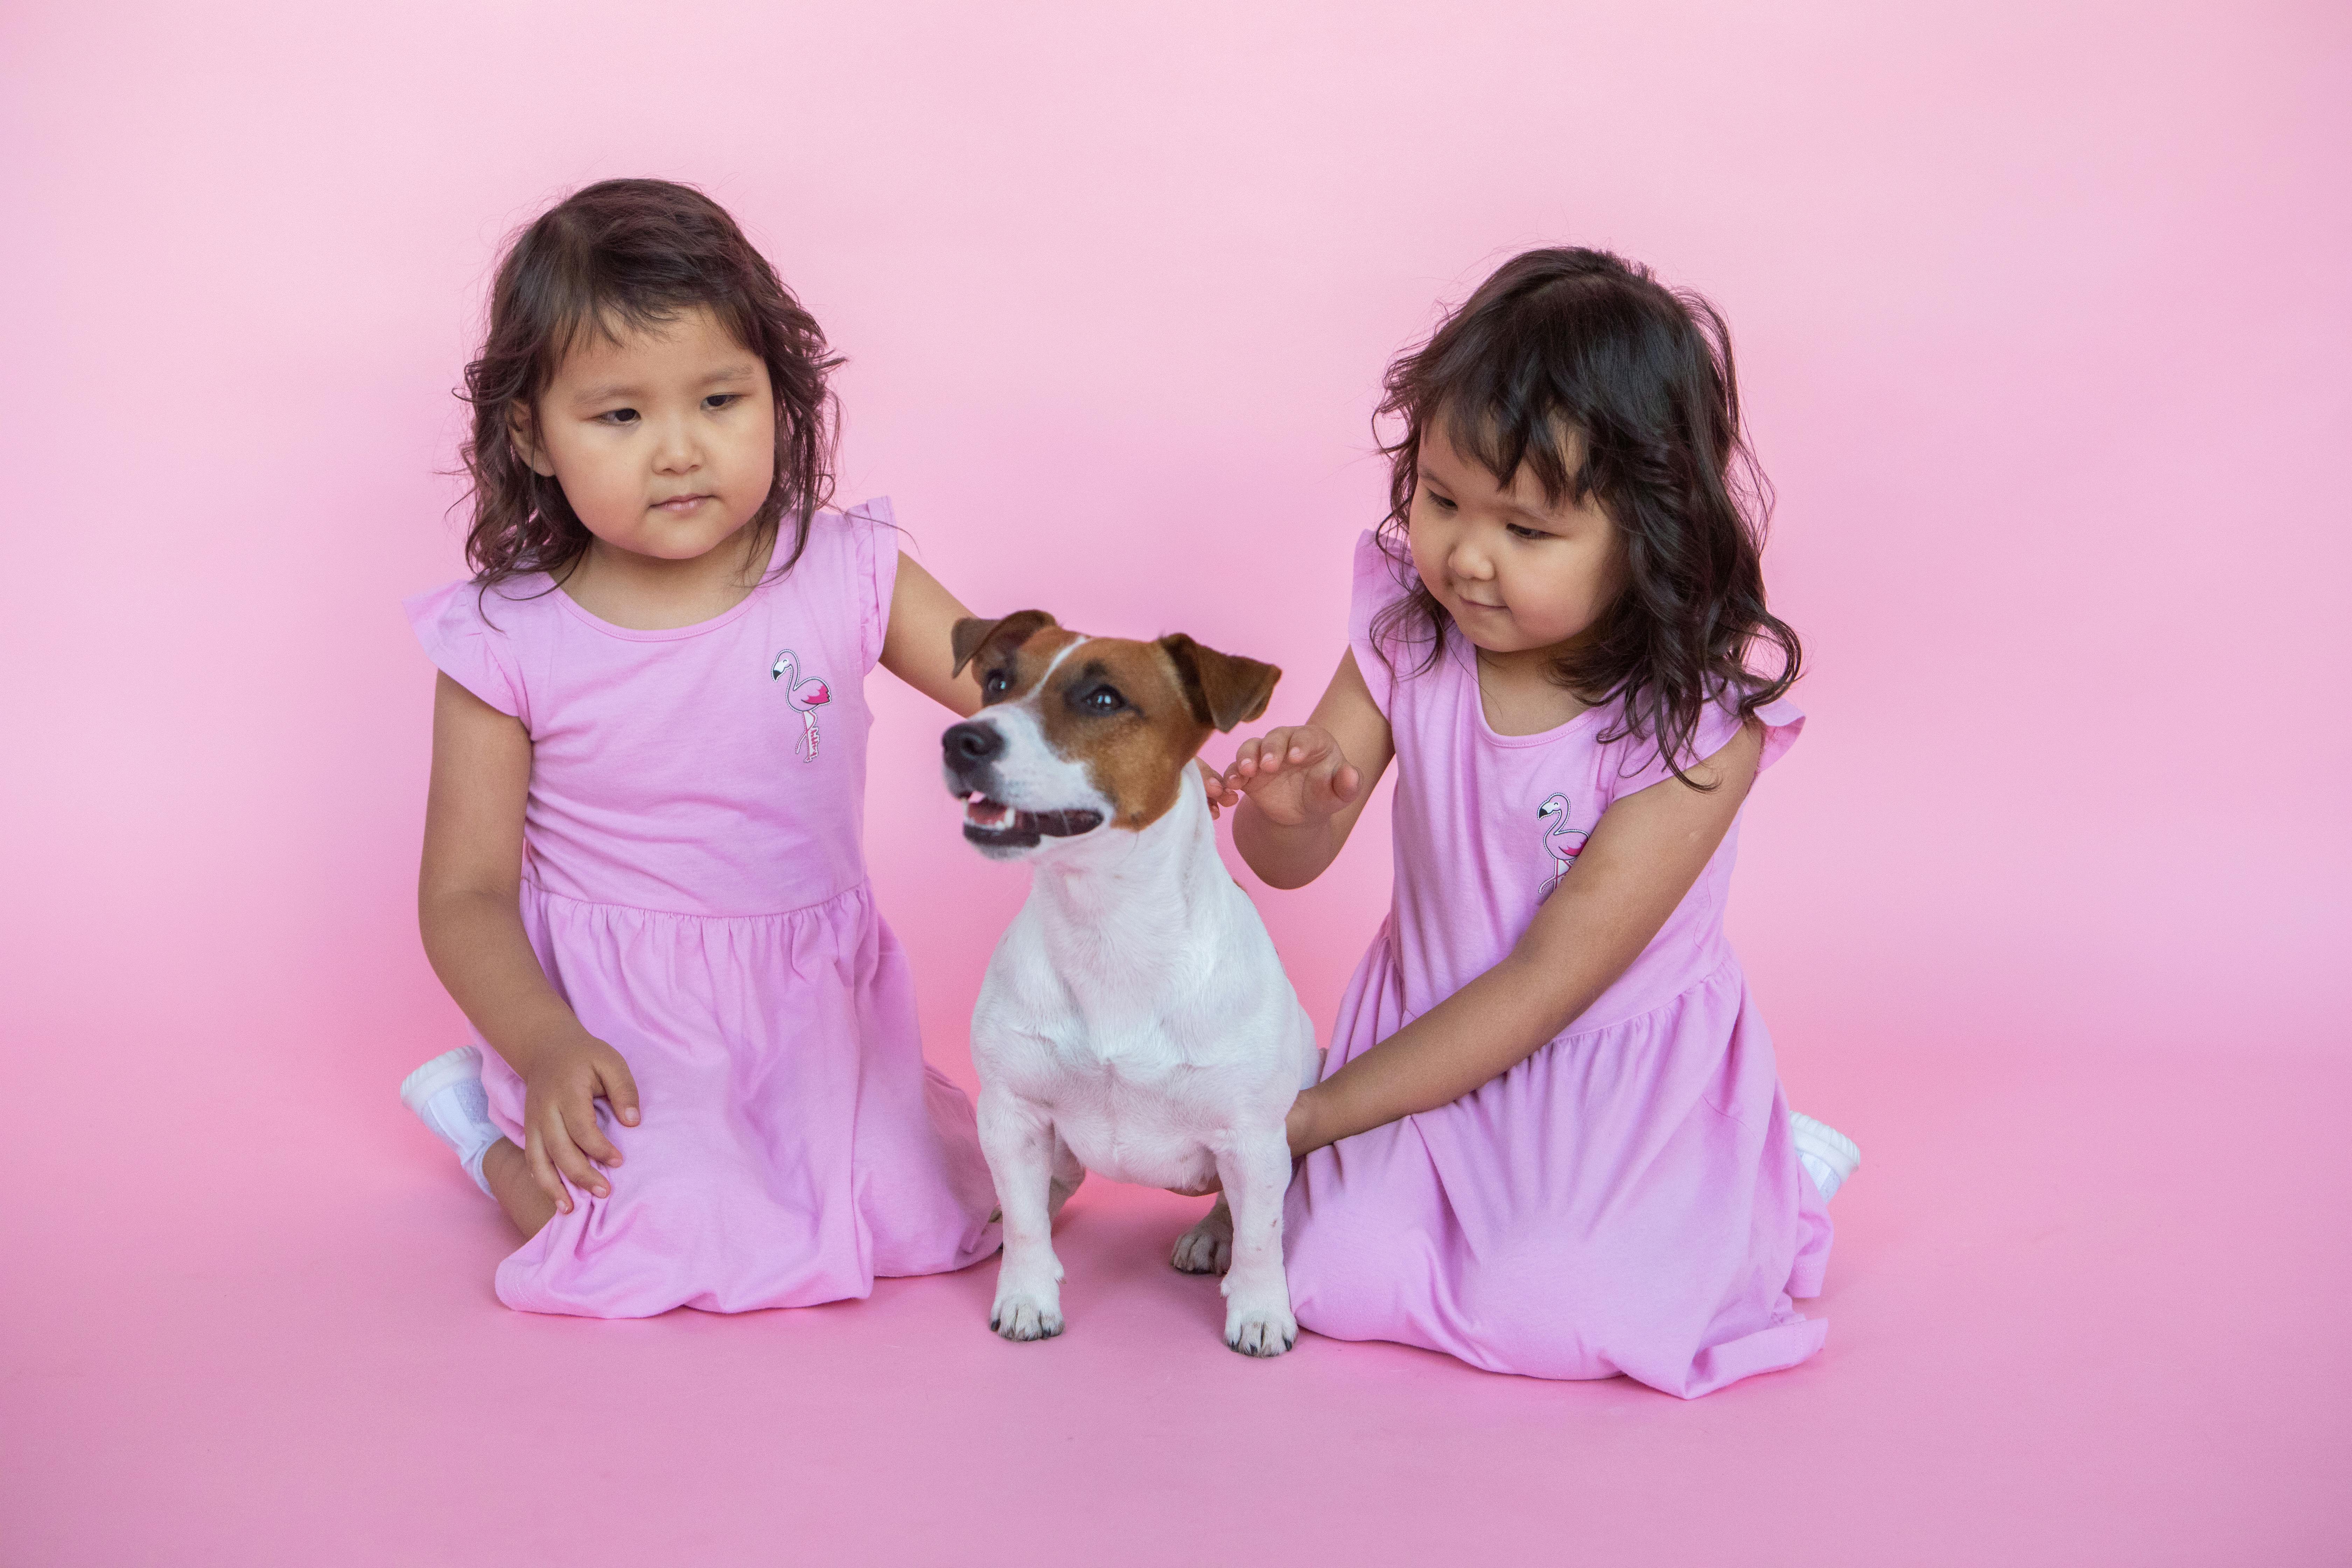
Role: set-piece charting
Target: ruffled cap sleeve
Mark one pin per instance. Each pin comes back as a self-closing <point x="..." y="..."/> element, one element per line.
<point x="1640" y="766"/>
<point x="467" y="647"/>
<point x="1379" y="584"/>
<point x="873" y="538"/>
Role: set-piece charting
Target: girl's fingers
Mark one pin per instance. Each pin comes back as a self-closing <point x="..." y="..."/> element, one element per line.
<point x="589" y="1138"/>
<point x="542" y="1169"/>
<point x="620" y="1093"/>
<point x="569" y="1160"/>
<point x="1269" y="750"/>
<point x="1213" y="782"/>
<point x="1345" y="782"/>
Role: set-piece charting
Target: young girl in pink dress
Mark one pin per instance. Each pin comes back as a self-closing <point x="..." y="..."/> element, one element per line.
<point x="1550" y="1138"/>
<point x="698" y="1080"/>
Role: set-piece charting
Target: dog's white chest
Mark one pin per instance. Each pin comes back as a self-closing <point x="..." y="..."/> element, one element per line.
<point x="1131" y="1108"/>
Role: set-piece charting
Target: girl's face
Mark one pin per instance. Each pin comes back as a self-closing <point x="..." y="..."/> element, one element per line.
<point x="1518" y="573"/>
<point x="664" y="441"/>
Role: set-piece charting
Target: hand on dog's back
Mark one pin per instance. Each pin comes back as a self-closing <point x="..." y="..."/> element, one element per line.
<point x="1297" y="775"/>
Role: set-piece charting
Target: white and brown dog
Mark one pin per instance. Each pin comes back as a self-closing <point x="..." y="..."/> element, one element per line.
<point x="1134" y="1020"/>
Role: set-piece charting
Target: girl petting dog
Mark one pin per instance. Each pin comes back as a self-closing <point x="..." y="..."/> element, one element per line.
<point x="643" y="878"/>
<point x="1550" y="1138"/>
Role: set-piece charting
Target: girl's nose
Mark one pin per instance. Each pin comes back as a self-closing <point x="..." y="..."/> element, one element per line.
<point x="1468" y="562"/>
<point x="676" y="452"/>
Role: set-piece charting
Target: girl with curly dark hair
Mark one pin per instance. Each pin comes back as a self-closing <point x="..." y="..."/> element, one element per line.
<point x="695" y="1079"/>
<point x="1551" y="1138"/>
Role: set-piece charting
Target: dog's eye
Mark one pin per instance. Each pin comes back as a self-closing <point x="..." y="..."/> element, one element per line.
<point x="1102" y="699"/>
<point x="997" y="683"/>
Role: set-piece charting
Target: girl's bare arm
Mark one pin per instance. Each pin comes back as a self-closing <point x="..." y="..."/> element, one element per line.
<point x="1297" y="792"/>
<point x="918" y="648"/>
<point x="1642" y="857"/>
<point x="466" y="907"/>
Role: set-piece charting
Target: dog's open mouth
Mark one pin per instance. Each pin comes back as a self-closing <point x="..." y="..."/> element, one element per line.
<point x="991" y="822"/>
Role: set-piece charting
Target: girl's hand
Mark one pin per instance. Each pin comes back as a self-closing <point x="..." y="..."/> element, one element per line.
<point x="1297" y="775"/>
<point x="558" y="1114"/>
<point x="1301" y="1127"/>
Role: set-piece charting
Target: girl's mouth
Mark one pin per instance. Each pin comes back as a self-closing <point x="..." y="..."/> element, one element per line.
<point x="681" y="504"/>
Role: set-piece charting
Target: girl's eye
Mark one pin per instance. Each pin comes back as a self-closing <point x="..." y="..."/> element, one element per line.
<point x="1520" y="533"/>
<point x="617" y="416"/>
<point x="1439" y="502"/>
<point x="718" y="400"/>
<point x="1102" y="699"/>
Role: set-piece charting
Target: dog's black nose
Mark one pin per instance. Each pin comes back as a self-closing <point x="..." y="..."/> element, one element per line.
<point x="970" y="742"/>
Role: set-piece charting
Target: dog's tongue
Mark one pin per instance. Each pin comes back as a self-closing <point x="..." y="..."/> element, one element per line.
<point x="983" y="812"/>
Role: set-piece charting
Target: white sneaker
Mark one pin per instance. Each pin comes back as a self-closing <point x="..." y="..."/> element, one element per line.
<point x="447" y="1095"/>
<point x="417" y="1089"/>
<point x="1828" y="1155"/>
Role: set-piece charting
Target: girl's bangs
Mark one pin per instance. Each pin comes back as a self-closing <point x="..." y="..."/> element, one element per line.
<point x="1503" y="434"/>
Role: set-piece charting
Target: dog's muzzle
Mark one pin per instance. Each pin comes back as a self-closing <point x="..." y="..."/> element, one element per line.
<point x="969" y="752"/>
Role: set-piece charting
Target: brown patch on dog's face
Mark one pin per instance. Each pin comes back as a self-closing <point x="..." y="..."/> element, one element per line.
<point x="1009" y="653"/>
<point x="1131" y="714"/>
<point x="1119" y="709"/>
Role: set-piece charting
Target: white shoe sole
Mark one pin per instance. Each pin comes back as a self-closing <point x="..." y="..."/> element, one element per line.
<point x="1828" y="1155"/>
<point x="449" y="1067"/>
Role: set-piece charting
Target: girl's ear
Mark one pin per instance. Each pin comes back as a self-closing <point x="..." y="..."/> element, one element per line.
<point x="1224" y="690"/>
<point x="525" y="437"/>
<point x="971" y="634"/>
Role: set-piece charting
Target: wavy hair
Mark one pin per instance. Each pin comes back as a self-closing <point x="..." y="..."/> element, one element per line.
<point x="623" y="254"/>
<point x="1570" y="348"/>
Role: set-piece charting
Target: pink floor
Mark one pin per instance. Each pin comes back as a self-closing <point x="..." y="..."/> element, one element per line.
<point x="2041" y="312"/>
<point x="2085" y="1310"/>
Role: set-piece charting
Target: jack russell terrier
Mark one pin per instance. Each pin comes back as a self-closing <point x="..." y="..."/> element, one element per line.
<point x="1134" y="1020"/>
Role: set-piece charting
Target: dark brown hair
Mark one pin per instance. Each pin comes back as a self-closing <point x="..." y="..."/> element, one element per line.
<point x="625" y="254"/>
<point x="1571" y="346"/>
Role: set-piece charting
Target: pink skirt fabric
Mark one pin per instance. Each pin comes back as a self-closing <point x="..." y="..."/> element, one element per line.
<point x="794" y="1144"/>
<point x="1626" y="1200"/>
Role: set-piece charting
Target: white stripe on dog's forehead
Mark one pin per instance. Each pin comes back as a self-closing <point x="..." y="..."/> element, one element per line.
<point x="1056" y="661"/>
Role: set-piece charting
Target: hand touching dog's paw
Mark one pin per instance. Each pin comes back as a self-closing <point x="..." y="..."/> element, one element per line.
<point x="1208" y="1246"/>
<point x="1260" y="1331"/>
<point x="1026" y="1314"/>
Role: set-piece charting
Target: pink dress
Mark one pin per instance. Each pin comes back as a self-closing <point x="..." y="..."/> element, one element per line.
<point x="693" y="883"/>
<point x="1627" y="1199"/>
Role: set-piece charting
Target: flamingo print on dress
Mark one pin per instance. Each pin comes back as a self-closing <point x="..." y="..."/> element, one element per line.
<point x="1559" y="840"/>
<point x="805" y="696"/>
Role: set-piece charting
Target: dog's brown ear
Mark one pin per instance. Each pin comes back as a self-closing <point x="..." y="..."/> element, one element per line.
<point x="1224" y="690"/>
<point x="971" y="634"/>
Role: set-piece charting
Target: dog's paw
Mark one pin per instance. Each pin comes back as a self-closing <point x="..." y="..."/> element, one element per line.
<point x="1026" y="1315"/>
<point x="1260" y="1330"/>
<point x="1208" y="1246"/>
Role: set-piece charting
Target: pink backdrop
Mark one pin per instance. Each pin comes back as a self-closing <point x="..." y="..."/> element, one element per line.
<point x="2041" y="314"/>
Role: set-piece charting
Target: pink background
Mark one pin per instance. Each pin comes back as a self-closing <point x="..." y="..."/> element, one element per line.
<point x="2042" y="314"/>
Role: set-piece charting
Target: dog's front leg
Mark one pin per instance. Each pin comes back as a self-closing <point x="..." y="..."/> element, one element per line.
<point x="1018" y="1140"/>
<point x="1255" y="1175"/>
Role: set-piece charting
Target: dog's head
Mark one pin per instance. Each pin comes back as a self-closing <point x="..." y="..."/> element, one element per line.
<point x="1080" y="734"/>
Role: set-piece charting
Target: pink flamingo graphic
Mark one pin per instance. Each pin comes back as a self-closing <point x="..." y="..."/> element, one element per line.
<point x="1561" y="840"/>
<point x="805" y="696"/>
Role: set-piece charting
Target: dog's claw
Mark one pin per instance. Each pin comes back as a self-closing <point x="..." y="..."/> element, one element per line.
<point x="1201" y="1251"/>
<point x="1263" y="1333"/>
<point x="1208" y="1246"/>
<point x="1025" y="1320"/>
